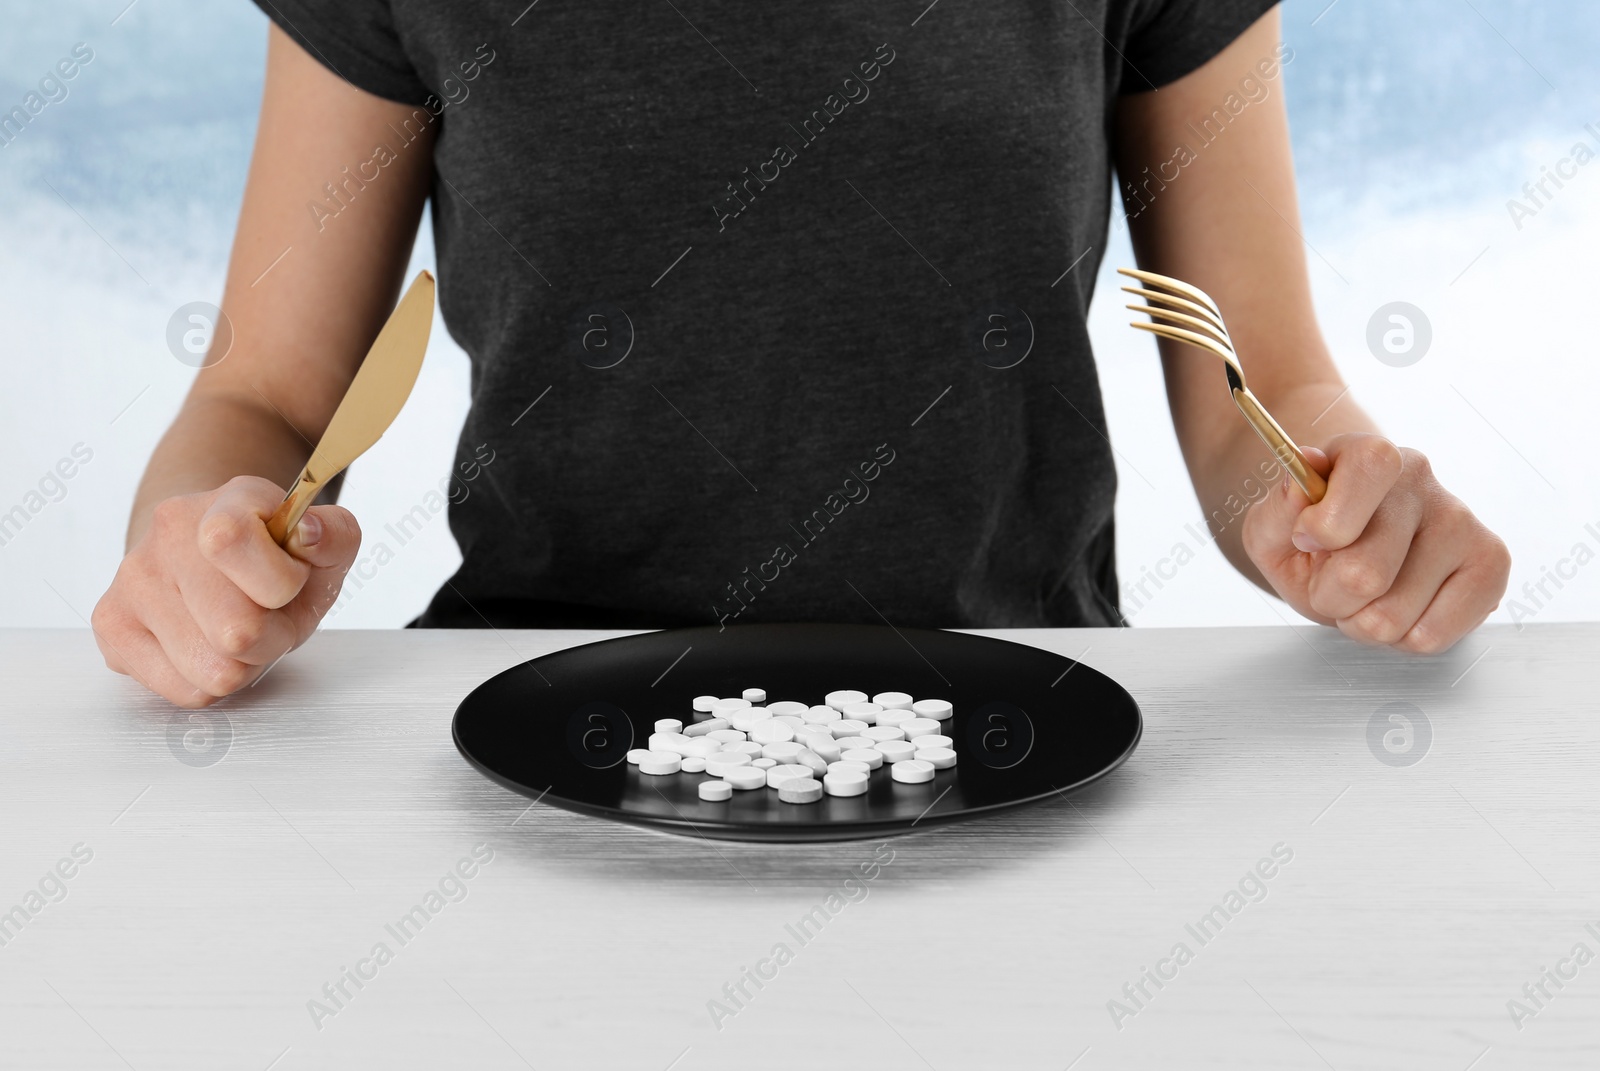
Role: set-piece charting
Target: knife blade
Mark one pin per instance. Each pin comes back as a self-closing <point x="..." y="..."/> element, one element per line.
<point x="376" y="395"/>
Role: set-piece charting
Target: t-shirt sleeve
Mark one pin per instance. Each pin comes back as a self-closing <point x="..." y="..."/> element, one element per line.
<point x="355" y="39"/>
<point x="1171" y="38"/>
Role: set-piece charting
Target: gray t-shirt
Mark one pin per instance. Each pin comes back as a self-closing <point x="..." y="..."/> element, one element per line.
<point x="775" y="311"/>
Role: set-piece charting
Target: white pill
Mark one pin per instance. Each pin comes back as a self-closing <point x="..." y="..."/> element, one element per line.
<point x="932" y="740"/>
<point x="787" y="709"/>
<point x="637" y="754"/>
<point x="660" y="762"/>
<point x="849" y="765"/>
<point x="745" y="778"/>
<point x="726" y="736"/>
<point x="700" y="747"/>
<point x="764" y="764"/>
<point x="747" y="748"/>
<point x="728" y="706"/>
<point x="839" y="700"/>
<point x="771" y="731"/>
<point x="705" y="703"/>
<point x="940" y="758"/>
<point x="893" y="718"/>
<point x="782" y="751"/>
<point x="937" y="709"/>
<point x="756" y="695"/>
<point x="796" y="725"/>
<point x="847" y="742"/>
<point x="718" y="765"/>
<point x="674" y="742"/>
<point x="669" y="725"/>
<point x="823" y="744"/>
<point x="715" y="791"/>
<point x="707" y="727"/>
<point x="865" y="712"/>
<point x="897" y="750"/>
<point x="821" y="715"/>
<point x="869" y="755"/>
<point x="848" y="782"/>
<point x="893" y="700"/>
<point x="745" y="718"/>
<point x="879" y="733"/>
<point x="912" y="771"/>
<point x="920" y="727"/>
<point x="846" y="727"/>
<point x="777" y="775"/>
<point x="800" y="790"/>
<point x="694" y="764"/>
<point x="812" y="761"/>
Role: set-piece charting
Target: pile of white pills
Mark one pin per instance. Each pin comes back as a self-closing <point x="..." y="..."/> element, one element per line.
<point x="801" y="751"/>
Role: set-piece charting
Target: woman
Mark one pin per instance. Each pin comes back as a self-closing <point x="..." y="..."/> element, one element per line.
<point x="800" y="294"/>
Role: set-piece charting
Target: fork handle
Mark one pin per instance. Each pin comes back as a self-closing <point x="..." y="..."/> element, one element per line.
<point x="1282" y="447"/>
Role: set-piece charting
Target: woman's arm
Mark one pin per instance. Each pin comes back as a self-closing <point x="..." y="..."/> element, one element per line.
<point x="205" y="601"/>
<point x="1388" y="556"/>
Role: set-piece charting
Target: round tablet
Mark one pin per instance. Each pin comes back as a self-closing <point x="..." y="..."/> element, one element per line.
<point x="821" y="715"/>
<point x="660" y="762"/>
<point x="849" y="765"/>
<point x="896" y="750"/>
<point x="878" y="733"/>
<point x="674" y="742"/>
<point x="800" y="790"/>
<point x="920" y="727"/>
<point x="706" y="728"/>
<point x="895" y="718"/>
<point x="940" y="758"/>
<point x="823" y="745"/>
<point x="912" y="771"/>
<point x="932" y="740"/>
<point x="865" y="712"/>
<point x="797" y="725"/>
<point x="782" y="751"/>
<point x="893" y="700"/>
<point x="771" y="731"/>
<point x="715" y="791"/>
<point x="755" y="695"/>
<point x="718" y="765"/>
<point x="669" y="725"/>
<point x="745" y="778"/>
<point x="744" y="718"/>
<point x="637" y="754"/>
<point x="763" y="764"/>
<point x="787" y="709"/>
<point x="937" y="709"/>
<point x="727" y="706"/>
<point x="779" y="774"/>
<point x="847" y="742"/>
<point x="694" y="764"/>
<point x="705" y="703"/>
<point x="848" y="782"/>
<point x="746" y="748"/>
<point x="869" y="755"/>
<point x="812" y="761"/>
<point x="724" y="735"/>
<point x="839" y="700"/>
<point x="699" y="746"/>
<point x="846" y="727"/>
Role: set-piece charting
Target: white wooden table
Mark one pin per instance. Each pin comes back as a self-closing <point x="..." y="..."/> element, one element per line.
<point x="228" y="886"/>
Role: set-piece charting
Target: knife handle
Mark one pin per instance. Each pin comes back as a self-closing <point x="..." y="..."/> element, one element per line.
<point x="294" y="506"/>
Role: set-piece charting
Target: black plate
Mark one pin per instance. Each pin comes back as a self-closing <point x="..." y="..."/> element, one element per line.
<point x="1027" y="724"/>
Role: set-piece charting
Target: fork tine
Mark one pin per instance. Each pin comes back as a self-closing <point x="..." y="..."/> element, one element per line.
<point x="1180" y="319"/>
<point x="1178" y="286"/>
<point x="1156" y="297"/>
<point x="1179" y="334"/>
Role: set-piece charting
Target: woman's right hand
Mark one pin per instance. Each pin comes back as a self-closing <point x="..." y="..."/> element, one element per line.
<point x="205" y="602"/>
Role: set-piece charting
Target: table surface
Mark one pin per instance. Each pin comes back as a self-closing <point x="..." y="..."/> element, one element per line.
<point x="230" y="868"/>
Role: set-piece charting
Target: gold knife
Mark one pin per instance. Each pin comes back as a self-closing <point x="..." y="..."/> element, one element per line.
<point x="376" y="395"/>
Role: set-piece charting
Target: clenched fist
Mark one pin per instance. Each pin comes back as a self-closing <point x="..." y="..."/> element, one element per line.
<point x="1389" y="556"/>
<point x="205" y="602"/>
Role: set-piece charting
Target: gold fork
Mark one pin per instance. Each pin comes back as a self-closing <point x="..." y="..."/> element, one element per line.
<point x="1187" y="314"/>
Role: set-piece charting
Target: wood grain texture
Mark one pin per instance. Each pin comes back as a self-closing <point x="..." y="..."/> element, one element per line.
<point x="221" y="898"/>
